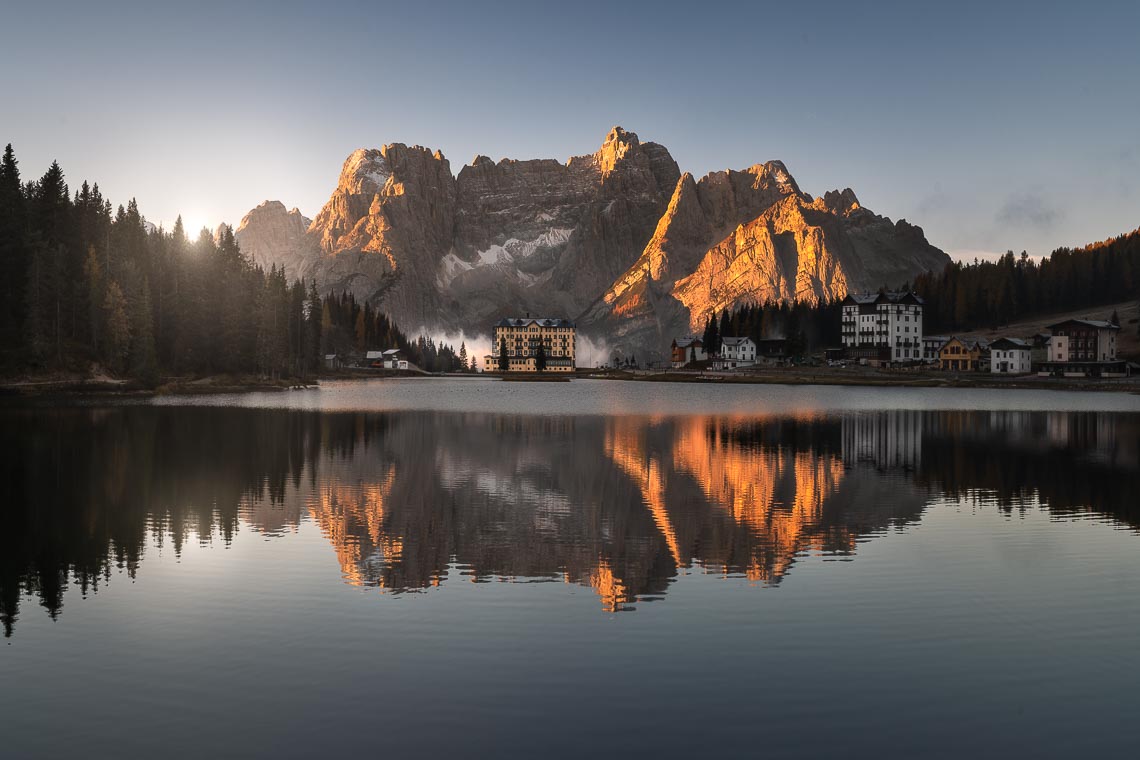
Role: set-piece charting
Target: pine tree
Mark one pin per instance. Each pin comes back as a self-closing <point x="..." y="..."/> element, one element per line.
<point x="504" y="360"/>
<point x="540" y="356"/>
<point x="463" y="356"/>
<point x="315" y="316"/>
<point x="143" y="358"/>
<point x="359" y="332"/>
<point x="14" y="252"/>
<point x="39" y="301"/>
<point x="93" y="277"/>
<point x="118" y="331"/>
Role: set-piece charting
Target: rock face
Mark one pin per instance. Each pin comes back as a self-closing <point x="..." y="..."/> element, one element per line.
<point x="386" y="229"/>
<point x="545" y="236"/>
<point x="272" y="236"/>
<point x="618" y="239"/>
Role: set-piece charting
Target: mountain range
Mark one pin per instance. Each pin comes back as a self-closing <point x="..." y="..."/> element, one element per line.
<point x="620" y="240"/>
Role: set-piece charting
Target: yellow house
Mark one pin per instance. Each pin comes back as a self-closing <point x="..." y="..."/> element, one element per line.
<point x="960" y="355"/>
<point x="521" y="339"/>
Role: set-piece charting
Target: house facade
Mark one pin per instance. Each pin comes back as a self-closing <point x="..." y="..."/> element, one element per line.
<point x="737" y="352"/>
<point x="520" y="340"/>
<point x="1010" y="356"/>
<point x="395" y="359"/>
<point x="931" y="345"/>
<point x="685" y="350"/>
<point x="883" y="327"/>
<point x="1083" y="340"/>
<point x="1083" y="348"/>
<point x="961" y="355"/>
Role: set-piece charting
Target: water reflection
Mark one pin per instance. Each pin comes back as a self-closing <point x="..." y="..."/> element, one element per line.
<point x="623" y="505"/>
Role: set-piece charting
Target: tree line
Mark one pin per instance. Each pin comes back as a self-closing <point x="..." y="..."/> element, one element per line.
<point x="805" y="327"/>
<point x="996" y="293"/>
<point x="82" y="282"/>
<point x="352" y="328"/>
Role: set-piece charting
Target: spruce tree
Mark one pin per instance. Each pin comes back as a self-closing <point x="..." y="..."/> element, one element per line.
<point x="540" y="357"/>
<point x="93" y="279"/>
<point x="118" y="327"/>
<point x="14" y="251"/>
<point x="143" y="359"/>
<point x="504" y="361"/>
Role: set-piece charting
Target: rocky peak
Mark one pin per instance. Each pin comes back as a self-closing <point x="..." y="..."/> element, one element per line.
<point x="617" y="145"/>
<point x="272" y="236"/>
<point x="841" y="202"/>
<point x="365" y="171"/>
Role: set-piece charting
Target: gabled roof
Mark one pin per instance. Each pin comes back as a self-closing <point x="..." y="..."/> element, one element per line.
<point x="527" y="321"/>
<point x="969" y="343"/>
<point x="734" y="341"/>
<point x="1098" y="324"/>
<point x="1009" y="344"/>
<point x="374" y="355"/>
<point x="392" y="352"/>
<point x="885" y="297"/>
<point x="688" y="341"/>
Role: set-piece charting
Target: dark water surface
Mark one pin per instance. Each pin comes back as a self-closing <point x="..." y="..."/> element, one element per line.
<point x="474" y="568"/>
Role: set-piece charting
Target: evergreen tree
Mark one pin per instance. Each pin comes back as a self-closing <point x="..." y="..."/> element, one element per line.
<point x="143" y="358"/>
<point x="504" y="360"/>
<point x="118" y="328"/>
<point x="14" y="252"/>
<point x="463" y="357"/>
<point x="40" y="308"/>
<point x="93" y="277"/>
<point x="540" y="357"/>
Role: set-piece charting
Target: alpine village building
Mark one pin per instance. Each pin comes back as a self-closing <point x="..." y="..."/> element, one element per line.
<point x="686" y="350"/>
<point x="883" y="328"/>
<point x="1011" y="356"/>
<point x="521" y="339"/>
<point x="961" y="355"/>
<point x="1084" y="348"/>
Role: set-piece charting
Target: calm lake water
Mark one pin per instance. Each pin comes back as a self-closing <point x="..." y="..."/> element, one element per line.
<point x="472" y="568"/>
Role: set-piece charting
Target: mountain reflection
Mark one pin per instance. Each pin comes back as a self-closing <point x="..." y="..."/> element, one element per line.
<point x="623" y="505"/>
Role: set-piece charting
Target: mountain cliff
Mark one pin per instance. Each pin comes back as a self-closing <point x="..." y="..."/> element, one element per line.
<point x="619" y="239"/>
<point x="272" y="236"/>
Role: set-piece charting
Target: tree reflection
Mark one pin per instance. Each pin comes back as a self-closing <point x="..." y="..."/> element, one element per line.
<point x="623" y="505"/>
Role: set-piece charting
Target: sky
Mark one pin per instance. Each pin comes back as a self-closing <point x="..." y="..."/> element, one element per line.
<point x="992" y="125"/>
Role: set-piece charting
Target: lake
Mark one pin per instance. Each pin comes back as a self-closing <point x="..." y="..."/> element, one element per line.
<point x="473" y="568"/>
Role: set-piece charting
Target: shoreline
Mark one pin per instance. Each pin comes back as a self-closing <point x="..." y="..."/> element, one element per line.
<point x="217" y="385"/>
<point x="878" y="380"/>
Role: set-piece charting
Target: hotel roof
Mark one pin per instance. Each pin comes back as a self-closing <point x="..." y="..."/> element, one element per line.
<point x="887" y="297"/>
<point x="527" y="321"/>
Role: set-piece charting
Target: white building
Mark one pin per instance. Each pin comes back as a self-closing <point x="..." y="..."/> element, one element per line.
<point x="737" y="352"/>
<point x="1010" y="356"/>
<point x="932" y="345"/>
<point x="1083" y="340"/>
<point x="883" y="327"/>
<point x="393" y="359"/>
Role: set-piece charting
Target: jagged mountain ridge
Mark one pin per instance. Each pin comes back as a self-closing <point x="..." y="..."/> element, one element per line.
<point x="619" y="239"/>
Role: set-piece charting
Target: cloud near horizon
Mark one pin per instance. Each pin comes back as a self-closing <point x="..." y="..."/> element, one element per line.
<point x="1029" y="209"/>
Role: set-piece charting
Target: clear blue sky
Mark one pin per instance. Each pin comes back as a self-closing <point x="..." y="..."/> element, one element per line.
<point x="992" y="125"/>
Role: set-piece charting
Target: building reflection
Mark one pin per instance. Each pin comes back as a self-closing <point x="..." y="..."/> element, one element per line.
<point x="623" y="505"/>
